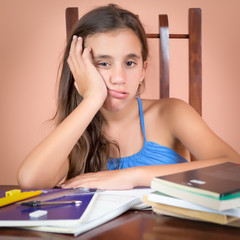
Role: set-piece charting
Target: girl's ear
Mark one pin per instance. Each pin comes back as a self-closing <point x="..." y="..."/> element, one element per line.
<point x="145" y="64"/>
<point x="144" y="70"/>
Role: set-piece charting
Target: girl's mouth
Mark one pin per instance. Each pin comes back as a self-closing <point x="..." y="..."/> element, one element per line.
<point x="117" y="94"/>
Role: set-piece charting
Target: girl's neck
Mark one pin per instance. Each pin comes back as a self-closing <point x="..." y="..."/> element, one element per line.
<point x="123" y="115"/>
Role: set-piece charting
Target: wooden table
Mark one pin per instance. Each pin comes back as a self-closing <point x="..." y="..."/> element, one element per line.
<point x="136" y="225"/>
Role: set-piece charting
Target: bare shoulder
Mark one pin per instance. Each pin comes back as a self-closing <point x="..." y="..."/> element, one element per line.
<point x="175" y="115"/>
<point x="175" y="119"/>
<point x="167" y="108"/>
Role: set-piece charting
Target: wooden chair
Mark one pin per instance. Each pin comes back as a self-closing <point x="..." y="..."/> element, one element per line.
<point x="195" y="56"/>
<point x="194" y="38"/>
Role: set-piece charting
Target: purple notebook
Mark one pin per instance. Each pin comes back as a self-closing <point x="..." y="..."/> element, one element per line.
<point x="15" y="212"/>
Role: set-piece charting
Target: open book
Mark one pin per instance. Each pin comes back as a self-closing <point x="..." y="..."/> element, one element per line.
<point x="103" y="206"/>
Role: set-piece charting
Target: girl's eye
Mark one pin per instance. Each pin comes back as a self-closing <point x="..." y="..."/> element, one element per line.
<point x="103" y="64"/>
<point x="130" y="63"/>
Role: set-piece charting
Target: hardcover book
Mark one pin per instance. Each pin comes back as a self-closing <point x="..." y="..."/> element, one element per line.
<point x="188" y="213"/>
<point x="216" y="187"/>
<point x="163" y="203"/>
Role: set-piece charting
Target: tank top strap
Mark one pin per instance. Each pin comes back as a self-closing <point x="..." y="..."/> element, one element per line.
<point x="141" y="117"/>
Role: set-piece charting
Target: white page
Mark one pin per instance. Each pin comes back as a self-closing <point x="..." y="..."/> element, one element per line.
<point x="106" y="206"/>
<point x="168" y="200"/>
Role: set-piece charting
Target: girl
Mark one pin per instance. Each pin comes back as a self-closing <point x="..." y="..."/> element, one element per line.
<point x="106" y="137"/>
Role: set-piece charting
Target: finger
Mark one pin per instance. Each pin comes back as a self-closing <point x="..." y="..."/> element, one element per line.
<point x="73" y="45"/>
<point x="72" y="67"/>
<point x="78" y="49"/>
<point x="76" y="86"/>
<point x="71" y="182"/>
<point x="78" y="181"/>
<point x="87" y="56"/>
<point x="76" y="52"/>
<point x="72" y="57"/>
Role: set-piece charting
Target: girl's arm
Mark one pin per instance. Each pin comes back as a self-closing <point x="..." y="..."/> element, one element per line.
<point x="187" y="126"/>
<point x="132" y="177"/>
<point x="47" y="164"/>
<point x="137" y="176"/>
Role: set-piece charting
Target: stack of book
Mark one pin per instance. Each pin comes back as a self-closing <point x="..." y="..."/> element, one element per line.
<point x="206" y="194"/>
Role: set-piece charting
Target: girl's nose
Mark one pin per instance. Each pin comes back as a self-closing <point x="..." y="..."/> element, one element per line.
<point x="118" y="76"/>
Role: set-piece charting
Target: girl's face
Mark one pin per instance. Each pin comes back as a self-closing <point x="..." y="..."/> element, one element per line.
<point x="117" y="56"/>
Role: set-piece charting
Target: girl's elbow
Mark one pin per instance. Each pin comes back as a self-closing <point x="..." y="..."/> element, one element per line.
<point x="24" y="180"/>
<point x="27" y="180"/>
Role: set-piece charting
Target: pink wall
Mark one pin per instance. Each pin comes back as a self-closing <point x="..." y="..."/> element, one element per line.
<point x="32" y="40"/>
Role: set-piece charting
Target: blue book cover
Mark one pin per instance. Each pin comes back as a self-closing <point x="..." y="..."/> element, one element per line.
<point x="18" y="215"/>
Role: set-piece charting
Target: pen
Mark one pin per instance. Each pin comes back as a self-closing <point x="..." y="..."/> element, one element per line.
<point x="39" y="203"/>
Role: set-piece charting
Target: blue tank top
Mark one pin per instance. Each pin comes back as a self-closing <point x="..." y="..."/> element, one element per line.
<point x="151" y="154"/>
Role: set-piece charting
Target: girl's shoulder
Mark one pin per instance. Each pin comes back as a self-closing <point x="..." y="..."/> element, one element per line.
<point x="171" y="112"/>
<point x="165" y="107"/>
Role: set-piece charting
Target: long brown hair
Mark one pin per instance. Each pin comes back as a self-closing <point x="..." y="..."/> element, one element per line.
<point x="91" y="152"/>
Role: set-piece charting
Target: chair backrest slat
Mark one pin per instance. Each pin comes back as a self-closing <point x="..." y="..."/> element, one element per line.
<point x="164" y="56"/>
<point x="71" y="16"/>
<point x="195" y="59"/>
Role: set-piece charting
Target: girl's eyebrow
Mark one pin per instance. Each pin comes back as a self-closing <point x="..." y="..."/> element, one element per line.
<point x="104" y="56"/>
<point x="133" y="55"/>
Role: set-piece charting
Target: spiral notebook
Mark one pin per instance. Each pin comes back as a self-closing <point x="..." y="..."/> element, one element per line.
<point x="101" y="207"/>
